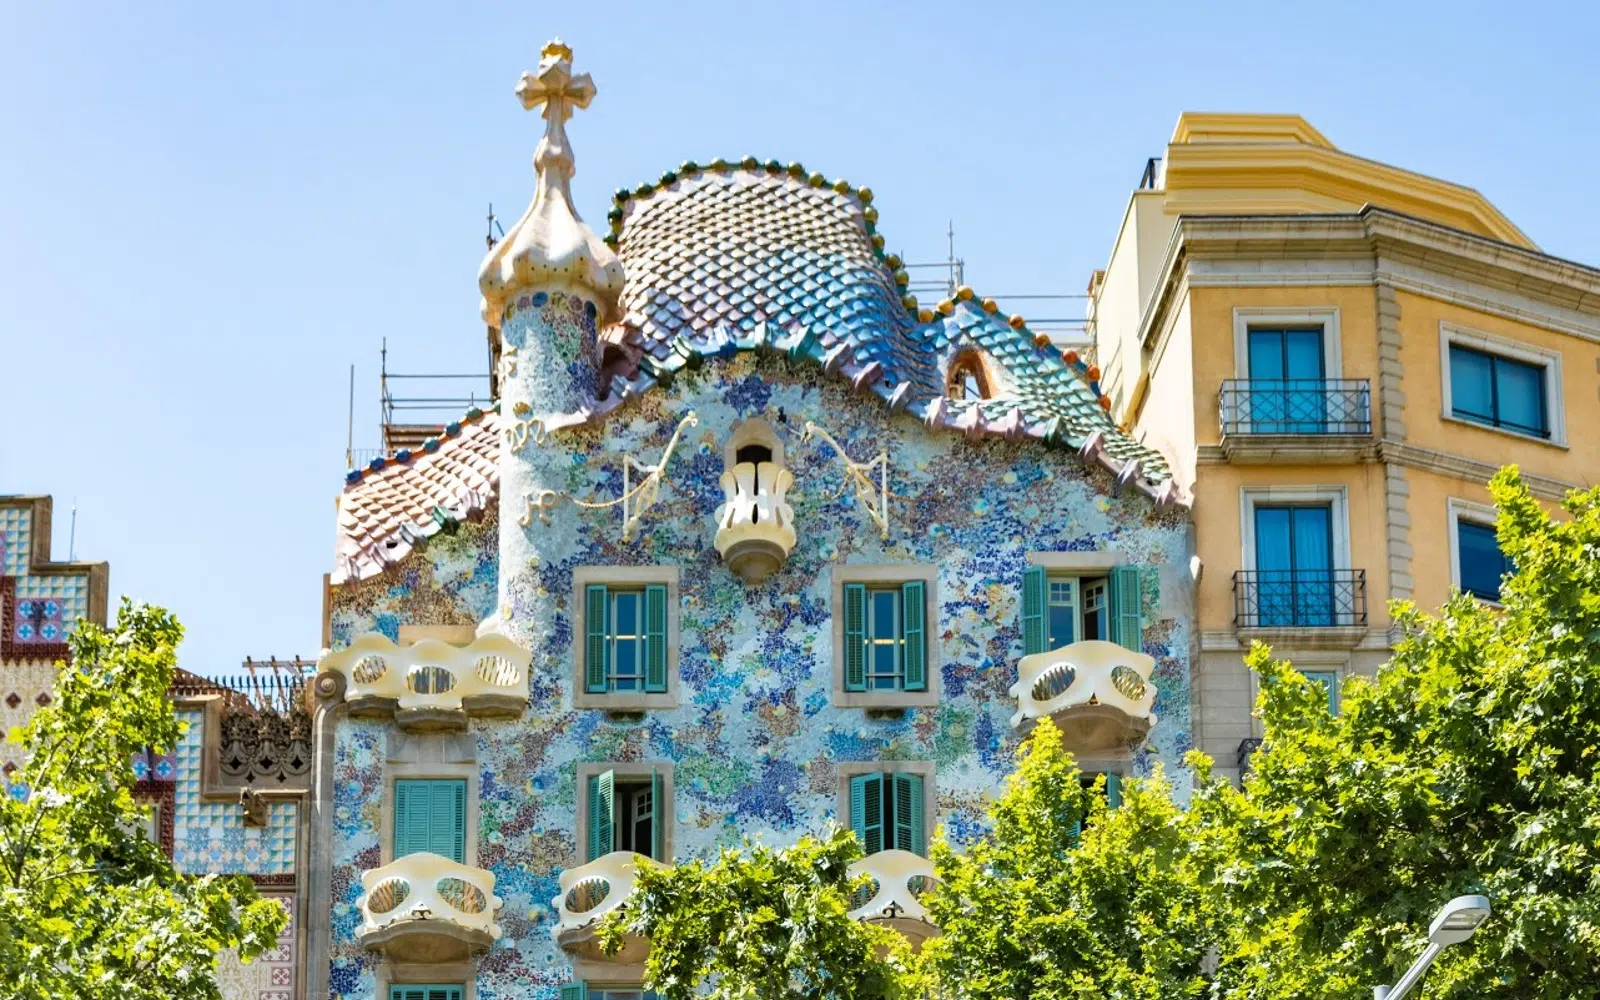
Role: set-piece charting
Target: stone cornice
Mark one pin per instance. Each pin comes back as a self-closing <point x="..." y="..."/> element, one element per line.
<point x="1458" y="467"/>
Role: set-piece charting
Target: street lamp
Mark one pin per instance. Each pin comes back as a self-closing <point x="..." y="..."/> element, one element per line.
<point x="1457" y="921"/>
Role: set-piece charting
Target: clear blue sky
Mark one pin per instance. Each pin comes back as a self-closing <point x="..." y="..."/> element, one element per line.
<point x="207" y="212"/>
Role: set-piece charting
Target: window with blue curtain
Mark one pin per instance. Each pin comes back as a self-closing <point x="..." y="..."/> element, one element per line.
<point x="1498" y="391"/>
<point x="887" y="812"/>
<point x="625" y="650"/>
<point x="1482" y="563"/>
<point x="1294" y="565"/>
<point x="1287" y="380"/>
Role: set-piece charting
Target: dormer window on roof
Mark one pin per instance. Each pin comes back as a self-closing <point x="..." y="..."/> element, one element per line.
<point x="968" y="377"/>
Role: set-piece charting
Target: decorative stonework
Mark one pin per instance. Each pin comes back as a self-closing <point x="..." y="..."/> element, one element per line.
<point x="265" y="746"/>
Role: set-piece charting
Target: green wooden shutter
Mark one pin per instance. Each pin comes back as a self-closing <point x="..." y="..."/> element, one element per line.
<point x="596" y="604"/>
<point x="602" y="799"/>
<point x="855" y="637"/>
<point x="431" y="816"/>
<point x="659" y="817"/>
<point x="418" y="991"/>
<point x="866" y="811"/>
<point x="1035" y="587"/>
<point x="655" y="638"/>
<point x="914" y="631"/>
<point x="1126" y="608"/>
<point x="1329" y="679"/>
<point x="909" y="832"/>
<point x="578" y="990"/>
<point x="408" y="992"/>
<point x="1113" y="789"/>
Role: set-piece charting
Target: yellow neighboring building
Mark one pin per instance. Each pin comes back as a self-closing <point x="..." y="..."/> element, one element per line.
<point x="1335" y="354"/>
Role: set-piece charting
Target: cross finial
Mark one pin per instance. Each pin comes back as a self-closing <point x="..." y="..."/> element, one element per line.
<point x="553" y="86"/>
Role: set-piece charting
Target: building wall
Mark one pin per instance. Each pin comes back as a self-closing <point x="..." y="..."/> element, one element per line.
<point x="756" y="744"/>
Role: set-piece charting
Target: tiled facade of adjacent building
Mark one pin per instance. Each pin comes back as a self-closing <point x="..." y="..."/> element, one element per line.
<point x="1336" y="355"/>
<point x="750" y="543"/>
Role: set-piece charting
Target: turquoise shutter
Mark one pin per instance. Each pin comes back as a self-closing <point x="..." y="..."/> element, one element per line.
<point x="402" y="820"/>
<point x="914" y="632"/>
<point x="1329" y="679"/>
<point x="866" y="811"/>
<point x="655" y="638"/>
<point x="431" y="816"/>
<point x="1034" y="588"/>
<point x="659" y="817"/>
<point x="1113" y="789"/>
<point x="444" y="993"/>
<point x="449" y="820"/>
<point x="602" y="799"/>
<point x="575" y="991"/>
<point x="596" y="604"/>
<point x="909" y="834"/>
<point x="408" y="992"/>
<point x="1126" y="608"/>
<point x="855" y="637"/>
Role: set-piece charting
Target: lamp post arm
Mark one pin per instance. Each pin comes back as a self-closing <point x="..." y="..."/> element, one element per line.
<point x="1412" y="977"/>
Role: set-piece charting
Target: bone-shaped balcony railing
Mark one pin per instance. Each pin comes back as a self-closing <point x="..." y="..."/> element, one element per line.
<point x="589" y="892"/>
<point x="1090" y="672"/>
<point x="425" y="894"/>
<point x="899" y="881"/>
<point x="430" y="676"/>
<point x="755" y="524"/>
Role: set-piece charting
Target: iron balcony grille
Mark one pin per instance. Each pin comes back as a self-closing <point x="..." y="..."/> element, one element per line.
<point x="1299" y="598"/>
<point x="1295" y="406"/>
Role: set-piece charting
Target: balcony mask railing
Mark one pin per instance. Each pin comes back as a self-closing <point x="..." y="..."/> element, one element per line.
<point x="591" y="891"/>
<point x="755" y="524"/>
<point x="1300" y="598"/>
<point x="900" y="882"/>
<point x="1295" y="406"/>
<point x="1089" y="672"/>
<point x="491" y="672"/>
<point x="422" y="891"/>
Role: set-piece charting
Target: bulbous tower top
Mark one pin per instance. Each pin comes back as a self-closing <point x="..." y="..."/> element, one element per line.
<point x="550" y="247"/>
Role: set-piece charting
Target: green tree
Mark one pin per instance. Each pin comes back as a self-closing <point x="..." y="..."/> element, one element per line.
<point x="761" y="924"/>
<point x="89" y="907"/>
<point x="1470" y="765"/>
<point x="1068" y="897"/>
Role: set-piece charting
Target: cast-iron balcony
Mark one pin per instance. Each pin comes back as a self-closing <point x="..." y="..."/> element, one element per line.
<point x="1300" y="598"/>
<point x="1266" y="420"/>
<point x="427" y="908"/>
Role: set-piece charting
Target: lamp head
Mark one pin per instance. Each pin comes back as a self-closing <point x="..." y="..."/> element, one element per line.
<point x="1458" y="920"/>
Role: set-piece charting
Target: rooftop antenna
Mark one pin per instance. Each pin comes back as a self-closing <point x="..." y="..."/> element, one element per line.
<point x="350" y="425"/>
<point x="72" y="534"/>
<point x="958" y="267"/>
<point x="494" y="225"/>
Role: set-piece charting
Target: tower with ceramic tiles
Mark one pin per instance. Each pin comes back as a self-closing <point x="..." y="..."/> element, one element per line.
<point x="750" y="543"/>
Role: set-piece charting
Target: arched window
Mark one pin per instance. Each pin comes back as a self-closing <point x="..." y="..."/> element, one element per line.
<point x="967" y="377"/>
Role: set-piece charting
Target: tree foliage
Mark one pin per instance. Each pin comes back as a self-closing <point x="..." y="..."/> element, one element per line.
<point x="88" y="905"/>
<point x="761" y="924"/>
<point x="1470" y="765"/>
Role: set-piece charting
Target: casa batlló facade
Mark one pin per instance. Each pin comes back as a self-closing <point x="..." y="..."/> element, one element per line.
<point x="750" y="543"/>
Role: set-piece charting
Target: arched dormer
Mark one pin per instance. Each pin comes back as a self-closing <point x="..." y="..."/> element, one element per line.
<point x="969" y="376"/>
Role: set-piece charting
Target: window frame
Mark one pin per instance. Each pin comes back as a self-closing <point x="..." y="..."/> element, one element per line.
<point x="624" y="578"/>
<point x="923" y="769"/>
<point x="665" y="811"/>
<point x="1483" y="515"/>
<point x="1272" y="317"/>
<point x="404" y="764"/>
<point x="1451" y="335"/>
<point x="882" y="577"/>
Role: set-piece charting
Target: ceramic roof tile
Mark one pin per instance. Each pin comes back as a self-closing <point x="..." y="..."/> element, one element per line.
<point x="385" y="511"/>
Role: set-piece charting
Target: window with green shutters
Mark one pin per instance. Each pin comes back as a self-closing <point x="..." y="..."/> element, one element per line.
<point x="887" y="811"/>
<point x="1059" y="609"/>
<point x="885" y="637"/>
<point x="417" y="991"/>
<point x="583" y="991"/>
<point x="431" y="815"/>
<point x="627" y="813"/>
<point x="1328" y="680"/>
<point x="625" y="641"/>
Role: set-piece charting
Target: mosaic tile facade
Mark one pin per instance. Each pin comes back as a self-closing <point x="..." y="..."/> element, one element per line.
<point x="756" y="741"/>
<point x="211" y="837"/>
<point x="270" y="976"/>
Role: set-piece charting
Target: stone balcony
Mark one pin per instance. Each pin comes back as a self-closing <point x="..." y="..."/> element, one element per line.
<point x="1099" y="694"/>
<point x="755" y="524"/>
<point x="900" y="881"/>
<point x="588" y="893"/>
<point x="427" y="908"/>
<point x="428" y="684"/>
